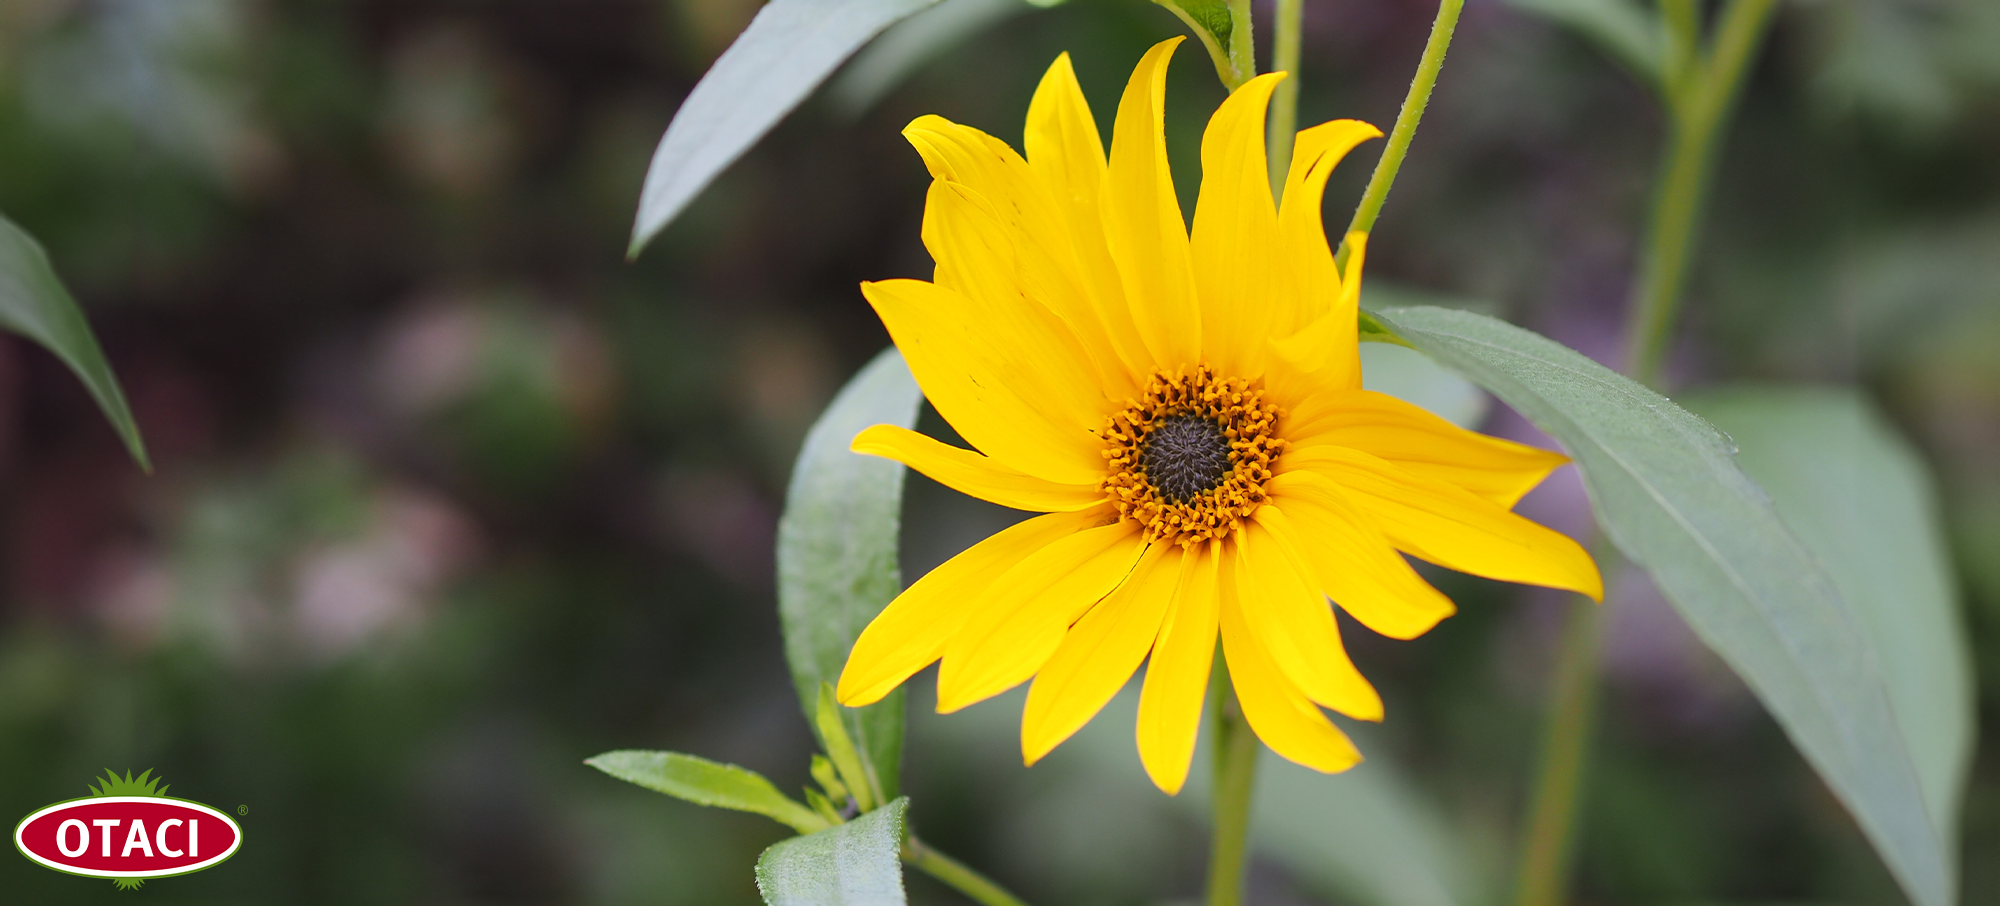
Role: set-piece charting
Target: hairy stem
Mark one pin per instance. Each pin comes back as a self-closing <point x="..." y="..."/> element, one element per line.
<point x="953" y="872"/>
<point x="1406" y="122"/>
<point x="1235" y="777"/>
<point x="1284" y="101"/>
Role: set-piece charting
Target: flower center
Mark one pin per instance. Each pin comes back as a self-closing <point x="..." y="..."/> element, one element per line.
<point x="1184" y="455"/>
<point x="1189" y="459"/>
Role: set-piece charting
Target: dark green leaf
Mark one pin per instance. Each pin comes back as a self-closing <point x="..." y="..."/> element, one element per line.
<point x="856" y="864"/>
<point x="837" y="552"/>
<point x="789" y="48"/>
<point x="1668" y="492"/>
<point x="1861" y="500"/>
<point x="709" y="783"/>
<point x="34" y="304"/>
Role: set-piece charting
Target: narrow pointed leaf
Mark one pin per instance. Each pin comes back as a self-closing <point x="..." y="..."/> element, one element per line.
<point x="855" y="864"/>
<point x="854" y="774"/>
<point x="1668" y="492"/>
<point x="1862" y="501"/>
<point x="837" y="553"/>
<point x="709" y="783"/>
<point x="789" y="48"/>
<point x="34" y="304"/>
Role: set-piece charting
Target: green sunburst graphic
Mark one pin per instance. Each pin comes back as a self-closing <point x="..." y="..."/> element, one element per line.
<point x="143" y="785"/>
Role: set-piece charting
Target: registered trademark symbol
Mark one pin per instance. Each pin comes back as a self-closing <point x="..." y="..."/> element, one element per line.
<point x="242" y="810"/>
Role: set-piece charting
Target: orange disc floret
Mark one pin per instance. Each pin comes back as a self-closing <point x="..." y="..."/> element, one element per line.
<point x="1189" y="459"/>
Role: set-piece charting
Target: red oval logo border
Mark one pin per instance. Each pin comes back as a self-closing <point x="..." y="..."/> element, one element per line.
<point x="210" y="862"/>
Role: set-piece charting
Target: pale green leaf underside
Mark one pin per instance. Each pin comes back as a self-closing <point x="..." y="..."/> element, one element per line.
<point x="854" y="864"/>
<point x="1862" y="501"/>
<point x="1668" y="492"/>
<point x="709" y="783"/>
<point x="34" y="304"/>
<point x="789" y="48"/>
<point x="837" y="551"/>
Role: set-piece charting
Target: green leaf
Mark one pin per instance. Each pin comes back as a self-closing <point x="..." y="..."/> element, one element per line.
<point x="856" y="864"/>
<point x="1668" y="492"/>
<point x="824" y="772"/>
<point x="709" y="783"/>
<point x="1414" y="378"/>
<point x="1215" y="23"/>
<point x="853" y="773"/>
<point x="1622" y="28"/>
<point x="34" y="304"/>
<point x="837" y="553"/>
<point x="1862" y="501"/>
<point x="789" y="48"/>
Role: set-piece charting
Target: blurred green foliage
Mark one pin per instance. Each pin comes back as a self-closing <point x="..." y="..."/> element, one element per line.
<point x="448" y="497"/>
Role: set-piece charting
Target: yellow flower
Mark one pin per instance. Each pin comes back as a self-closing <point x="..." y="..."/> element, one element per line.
<point x="1187" y="411"/>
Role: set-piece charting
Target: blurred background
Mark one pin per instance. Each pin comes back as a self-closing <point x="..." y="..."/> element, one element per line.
<point x="449" y="496"/>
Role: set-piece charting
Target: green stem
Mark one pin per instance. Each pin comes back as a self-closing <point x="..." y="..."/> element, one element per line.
<point x="1699" y="90"/>
<point x="1284" y="101"/>
<point x="1699" y="103"/>
<point x="955" y="873"/>
<point x="1406" y="122"/>
<point x="1545" y="853"/>
<point x="1235" y="776"/>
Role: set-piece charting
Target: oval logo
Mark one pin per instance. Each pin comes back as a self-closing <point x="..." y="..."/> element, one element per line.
<point x="128" y="836"/>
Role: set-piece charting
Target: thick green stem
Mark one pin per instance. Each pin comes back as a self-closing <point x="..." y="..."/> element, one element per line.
<point x="1545" y="853"/>
<point x="1406" y="122"/>
<point x="955" y="873"/>
<point x="1235" y="777"/>
<point x="1285" y="100"/>
<point x="1699" y="104"/>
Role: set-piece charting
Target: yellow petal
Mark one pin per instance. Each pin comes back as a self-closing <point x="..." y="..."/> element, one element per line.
<point x="1323" y="356"/>
<point x="1177" y="674"/>
<point x="1307" y="284"/>
<point x="1099" y="654"/>
<point x="1294" y="621"/>
<point x="1450" y="526"/>
<point x="1034" y="257"/>
<point x="968" y="472"/>
<point x="1067" y="157"/>
<point x="1236" y="231"/>
<point x="1280" y="714"/>
<point x="989" y="262"/>
<point x="952" y="359"/>
<point x="911" y="632"/>
<point x="1407" y="435"/>
<point x="1353" y="560"/>
<point x="1142" y="219"/>
<point x="1019" y="620"/>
